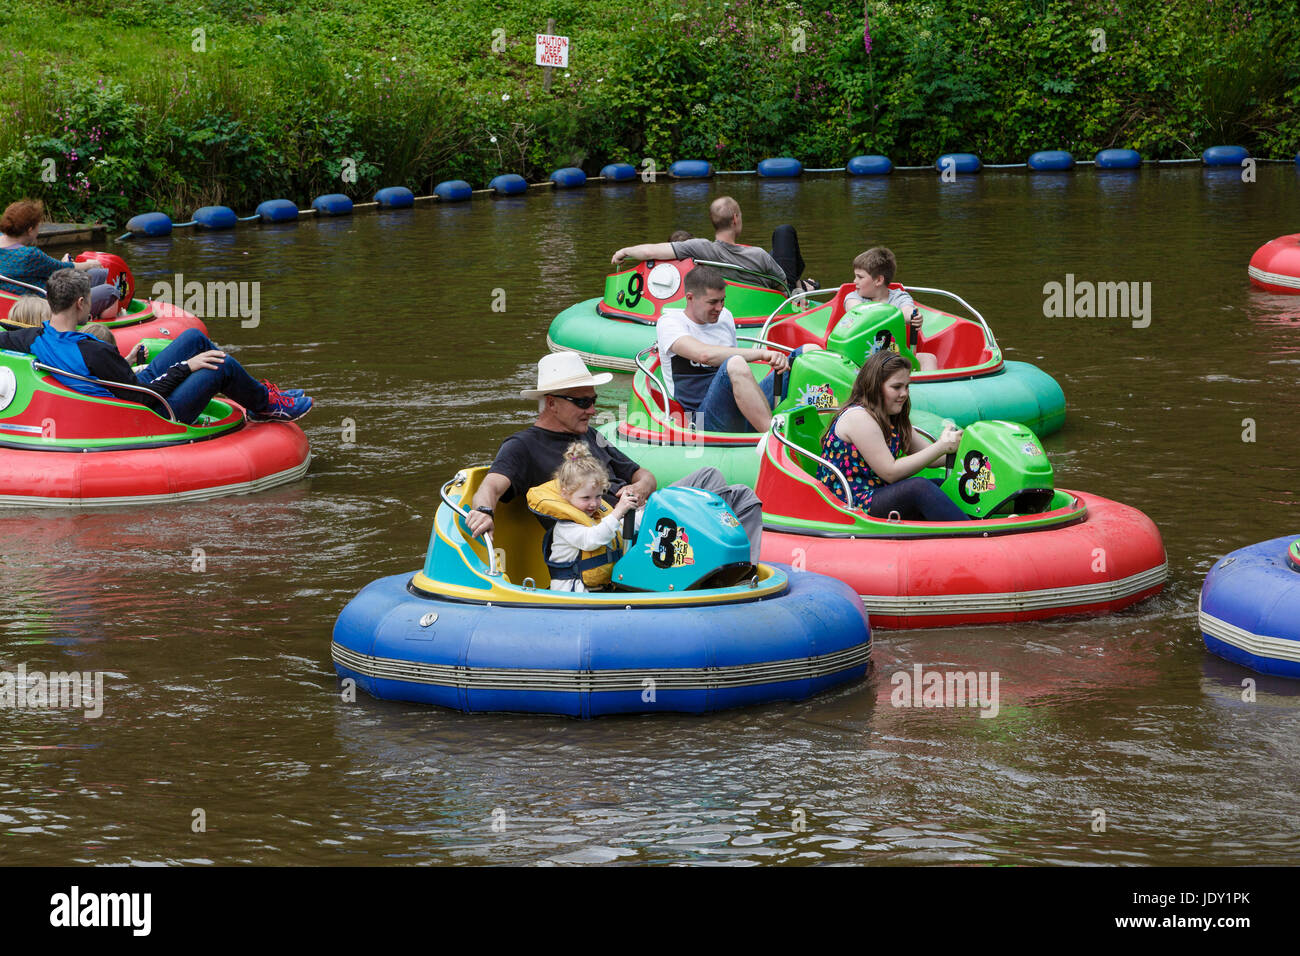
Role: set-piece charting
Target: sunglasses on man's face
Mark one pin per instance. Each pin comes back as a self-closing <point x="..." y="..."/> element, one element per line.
<point x="587" y="402"/>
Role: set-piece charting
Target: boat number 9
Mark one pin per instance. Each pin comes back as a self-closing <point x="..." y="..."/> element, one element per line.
<point x="634" y="287"/>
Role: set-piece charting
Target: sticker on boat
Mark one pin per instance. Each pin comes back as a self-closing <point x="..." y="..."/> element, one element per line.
<point x="670" y="546"/>
<point x="821" y="397"/>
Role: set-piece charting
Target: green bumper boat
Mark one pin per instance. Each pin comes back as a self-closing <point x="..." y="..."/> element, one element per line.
<point x="973" y="382"/>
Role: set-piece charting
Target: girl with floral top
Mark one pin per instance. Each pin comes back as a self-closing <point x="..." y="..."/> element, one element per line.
<point x="872" y="441"/>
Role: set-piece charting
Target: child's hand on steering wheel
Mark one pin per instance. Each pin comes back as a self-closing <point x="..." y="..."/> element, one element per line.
<point x="950" y="438"/>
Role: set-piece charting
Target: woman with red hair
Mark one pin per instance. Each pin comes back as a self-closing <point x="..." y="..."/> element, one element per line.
<point x="19" y="257"/>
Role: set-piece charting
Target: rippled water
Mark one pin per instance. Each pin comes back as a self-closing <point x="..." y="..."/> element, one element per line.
<point x="220" y="692"/>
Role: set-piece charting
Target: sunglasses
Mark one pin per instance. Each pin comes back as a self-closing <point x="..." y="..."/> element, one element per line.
<point x="580" y="402"/>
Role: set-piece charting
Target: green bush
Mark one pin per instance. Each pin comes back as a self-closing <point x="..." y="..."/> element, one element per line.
<point x="281" y="97"/>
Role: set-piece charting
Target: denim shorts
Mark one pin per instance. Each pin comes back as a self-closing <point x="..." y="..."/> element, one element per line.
<point x="718" y="411"/>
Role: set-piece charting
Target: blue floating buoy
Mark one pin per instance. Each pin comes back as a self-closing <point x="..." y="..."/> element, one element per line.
<point x="150" y="224"/>
<point x="215" y="217"/>
<point x="1051" y="160"/>
<point x="691" y="169"/>
<point x="619" y="172"/>
<point x="509" y="184"/>
<point x="568" y="177"/>
<point x="332" y="204"/>
<point x="780" y="167"/>
<point x="869" y="166"/>
<point x="395" y="197"/>
<point x="1119" y="159"/>
<point x="277" y="210"/>
<point x="1224" y="155"/>
<point x="960" y="162"/>
<point x="453" y="190"/>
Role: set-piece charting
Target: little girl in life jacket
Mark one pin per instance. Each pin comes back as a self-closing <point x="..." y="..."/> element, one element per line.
<point x="584" y="544"/>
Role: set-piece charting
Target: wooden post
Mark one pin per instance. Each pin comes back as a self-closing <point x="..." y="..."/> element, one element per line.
<point x="546" y="70"/>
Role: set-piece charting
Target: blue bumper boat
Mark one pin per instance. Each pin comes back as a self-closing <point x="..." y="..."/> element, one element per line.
<point x="1249" y="609"/>
<point x="694" y="627"/>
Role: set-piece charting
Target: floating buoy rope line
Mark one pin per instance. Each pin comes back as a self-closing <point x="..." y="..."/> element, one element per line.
<point x="156" y="224"/>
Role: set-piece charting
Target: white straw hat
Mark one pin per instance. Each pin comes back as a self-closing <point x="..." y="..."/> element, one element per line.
<point x="561" y="370"/>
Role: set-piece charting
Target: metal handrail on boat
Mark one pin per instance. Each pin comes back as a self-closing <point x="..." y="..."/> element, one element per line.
<point x="988" y="333"/>
<point x="989" y="340"/>
<point x="848" y="492"/>
<point x="768" y="323"/>
<point x="785" y="286"/>
<point x="775" y="346"/>
<point x="171" y="415"/>
<point x="663" y="388"/>
<point x="460" y="479"/>
<point x="26" y="285"/>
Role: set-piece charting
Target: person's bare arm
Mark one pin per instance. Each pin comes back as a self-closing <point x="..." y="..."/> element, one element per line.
<point x="642" y="485"/>
<point x="693" y="350"/>
<point x="858" y="427"/>
<point x="489" y="493"/>
<point x="647" y="250"/>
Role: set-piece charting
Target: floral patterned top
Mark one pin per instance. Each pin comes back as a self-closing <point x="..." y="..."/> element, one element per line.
<point x="845" y="456"/>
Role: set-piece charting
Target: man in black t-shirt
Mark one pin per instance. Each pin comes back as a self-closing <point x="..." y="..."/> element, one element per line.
<point x="530" y="457"/>
<point x="566" y="394"/>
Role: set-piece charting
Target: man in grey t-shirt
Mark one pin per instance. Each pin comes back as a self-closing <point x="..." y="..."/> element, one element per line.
<point x="726" y="216"/>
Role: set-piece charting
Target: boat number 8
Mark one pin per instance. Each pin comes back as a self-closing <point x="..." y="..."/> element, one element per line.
<point x="974" y="477"/>
<point x="634" y="287"/>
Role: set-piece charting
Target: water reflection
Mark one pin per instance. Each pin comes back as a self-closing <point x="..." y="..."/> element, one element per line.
<point x="1116" y="184"/>
<point x="1051" y="185"/>
<point x="1240" y="690"/>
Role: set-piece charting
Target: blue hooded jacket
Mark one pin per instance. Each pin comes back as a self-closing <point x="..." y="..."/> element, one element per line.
<point x="63" y="350"/>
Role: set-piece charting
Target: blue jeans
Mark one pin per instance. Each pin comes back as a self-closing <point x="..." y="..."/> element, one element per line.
<point x="915" y="499"/>
<point x="190" y="397"/>
<point x="718" y="411"/>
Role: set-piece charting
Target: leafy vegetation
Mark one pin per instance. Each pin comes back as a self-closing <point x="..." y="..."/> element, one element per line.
<point x="154" y="104"/>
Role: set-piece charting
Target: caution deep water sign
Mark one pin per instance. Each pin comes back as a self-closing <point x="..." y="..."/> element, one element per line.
<point x="552" y="50"/>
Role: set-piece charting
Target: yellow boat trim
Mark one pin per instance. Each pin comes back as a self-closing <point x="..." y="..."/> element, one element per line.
<point x="770" y="584"/>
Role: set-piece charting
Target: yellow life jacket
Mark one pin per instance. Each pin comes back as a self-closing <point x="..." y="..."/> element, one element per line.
<point x="594" y="567"/>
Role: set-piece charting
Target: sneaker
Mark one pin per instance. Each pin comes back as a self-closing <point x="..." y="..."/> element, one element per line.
<point x="282" y="406"/>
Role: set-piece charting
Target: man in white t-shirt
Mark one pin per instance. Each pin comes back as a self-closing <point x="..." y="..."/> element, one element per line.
<point x="705" y="371"/>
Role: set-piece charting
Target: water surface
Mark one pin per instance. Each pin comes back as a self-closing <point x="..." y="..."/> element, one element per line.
<point x="222" y="697"/>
